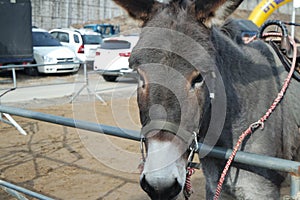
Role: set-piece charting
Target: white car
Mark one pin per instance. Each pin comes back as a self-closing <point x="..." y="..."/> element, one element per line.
<point x="47" y="50"/>
<point x="111" y="59"/>
<point x="83" y="42"/>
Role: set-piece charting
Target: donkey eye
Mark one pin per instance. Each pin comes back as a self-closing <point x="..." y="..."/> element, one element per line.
<point x="197" y="82"/>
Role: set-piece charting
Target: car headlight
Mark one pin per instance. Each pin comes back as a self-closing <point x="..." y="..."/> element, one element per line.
<point x="76" y="60"/>
<point x="48" y="59"/>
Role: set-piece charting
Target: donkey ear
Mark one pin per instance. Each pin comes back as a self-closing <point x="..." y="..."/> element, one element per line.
<point x="214" y="12"/>
<point x="138" y="9"/>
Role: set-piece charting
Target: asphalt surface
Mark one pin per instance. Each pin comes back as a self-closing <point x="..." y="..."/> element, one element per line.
<point x="61" y="87"/>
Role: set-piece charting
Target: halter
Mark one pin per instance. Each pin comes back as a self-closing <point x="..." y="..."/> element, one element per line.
<point x="189" y="138"/>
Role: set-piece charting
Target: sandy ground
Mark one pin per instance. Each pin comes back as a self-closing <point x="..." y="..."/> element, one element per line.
<point x="69" y="163"/>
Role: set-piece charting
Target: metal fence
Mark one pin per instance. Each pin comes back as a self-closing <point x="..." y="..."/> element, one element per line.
<point x="291" y="167"/>
<point x="17" y="191"/>
<point x="13" y="69"/>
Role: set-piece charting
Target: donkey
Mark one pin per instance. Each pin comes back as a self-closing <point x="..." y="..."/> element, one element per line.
<point x="198" y="82"/>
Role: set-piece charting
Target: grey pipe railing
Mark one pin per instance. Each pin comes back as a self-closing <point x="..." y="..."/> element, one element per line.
<point x="14" y="189"/>
<point x="37" y="65"/>
<point x="273" y="163"/>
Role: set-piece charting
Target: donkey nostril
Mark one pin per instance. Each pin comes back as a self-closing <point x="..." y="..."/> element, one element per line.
<point x="177" y="187"/>
<point x="145" y="185"/>
<point x="161" y="190"/>
<point x="143" y="181"/>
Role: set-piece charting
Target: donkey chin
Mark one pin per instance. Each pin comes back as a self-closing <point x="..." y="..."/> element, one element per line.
<point x="164" y="172"/>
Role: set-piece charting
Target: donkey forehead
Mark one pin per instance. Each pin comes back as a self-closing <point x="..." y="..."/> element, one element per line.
<point x="174" y="42"/>
<point x="183" y="56"/>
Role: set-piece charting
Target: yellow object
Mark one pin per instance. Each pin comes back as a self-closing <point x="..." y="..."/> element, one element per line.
<point x="264" y="9"/>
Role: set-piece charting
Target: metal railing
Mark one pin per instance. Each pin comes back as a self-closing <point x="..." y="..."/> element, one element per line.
<point x="13" y="68"/>
<point x="16" y="191"/>
<point x="85" y="77"/>
<point x="272" y="163"/>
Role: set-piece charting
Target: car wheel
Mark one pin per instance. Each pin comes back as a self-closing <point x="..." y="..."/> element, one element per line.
<point x="110" y="78"/>
<point x="31" y="71"/>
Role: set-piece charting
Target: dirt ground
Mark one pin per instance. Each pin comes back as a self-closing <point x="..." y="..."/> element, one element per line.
<point x="69" y="163"/>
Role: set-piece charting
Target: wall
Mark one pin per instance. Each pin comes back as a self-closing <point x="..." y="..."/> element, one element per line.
<point x="62" y="13"/>
<point x="49" y="14"/>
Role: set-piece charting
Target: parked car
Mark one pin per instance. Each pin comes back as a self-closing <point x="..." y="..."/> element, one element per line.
<point x="83" y="42"/>
<point x="106" y="30"/>
<point x="111" y="59"/>
<point x="47" y="50"/>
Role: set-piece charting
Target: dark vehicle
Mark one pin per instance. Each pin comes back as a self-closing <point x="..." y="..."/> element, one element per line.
<point x="15" y="36"/>
<point x="106" y="30"/>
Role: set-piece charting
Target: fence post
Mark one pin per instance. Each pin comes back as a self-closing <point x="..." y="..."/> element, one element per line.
<point x="86" y="86"/>
<point x="14" y="77"/>
<point x="295" y="186"/>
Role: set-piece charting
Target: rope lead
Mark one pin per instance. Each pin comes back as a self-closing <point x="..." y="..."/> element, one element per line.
<point x="259" y="123"/>
<point x="188" y="190"/>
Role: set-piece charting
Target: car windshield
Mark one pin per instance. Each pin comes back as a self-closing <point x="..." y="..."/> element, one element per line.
<point x="92" y="39"/>
<point x="115" y="44"/>
<point x="44" y="39"/>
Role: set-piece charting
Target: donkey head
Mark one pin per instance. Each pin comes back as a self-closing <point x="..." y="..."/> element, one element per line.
<point x="174" y="58"/>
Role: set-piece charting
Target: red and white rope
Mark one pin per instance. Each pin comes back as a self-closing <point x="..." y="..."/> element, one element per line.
<point x="260" y="122"/>
<point x="188" y="191"/>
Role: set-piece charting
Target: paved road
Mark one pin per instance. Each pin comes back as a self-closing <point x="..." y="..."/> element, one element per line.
<point x="62" y="86"/>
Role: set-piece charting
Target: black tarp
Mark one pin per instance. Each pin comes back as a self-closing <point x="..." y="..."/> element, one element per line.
<point x="15" y="31"/>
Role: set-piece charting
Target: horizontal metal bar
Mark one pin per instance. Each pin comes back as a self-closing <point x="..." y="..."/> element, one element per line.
<point x="217" y="152"/>
<point x="13" y="193"/>
<point x="90" y="126"/>
<point x="132" y="74"/>
<point x="36" y="65"/>
<point x="24" y="191"/>
<point x="252" y="159"/>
